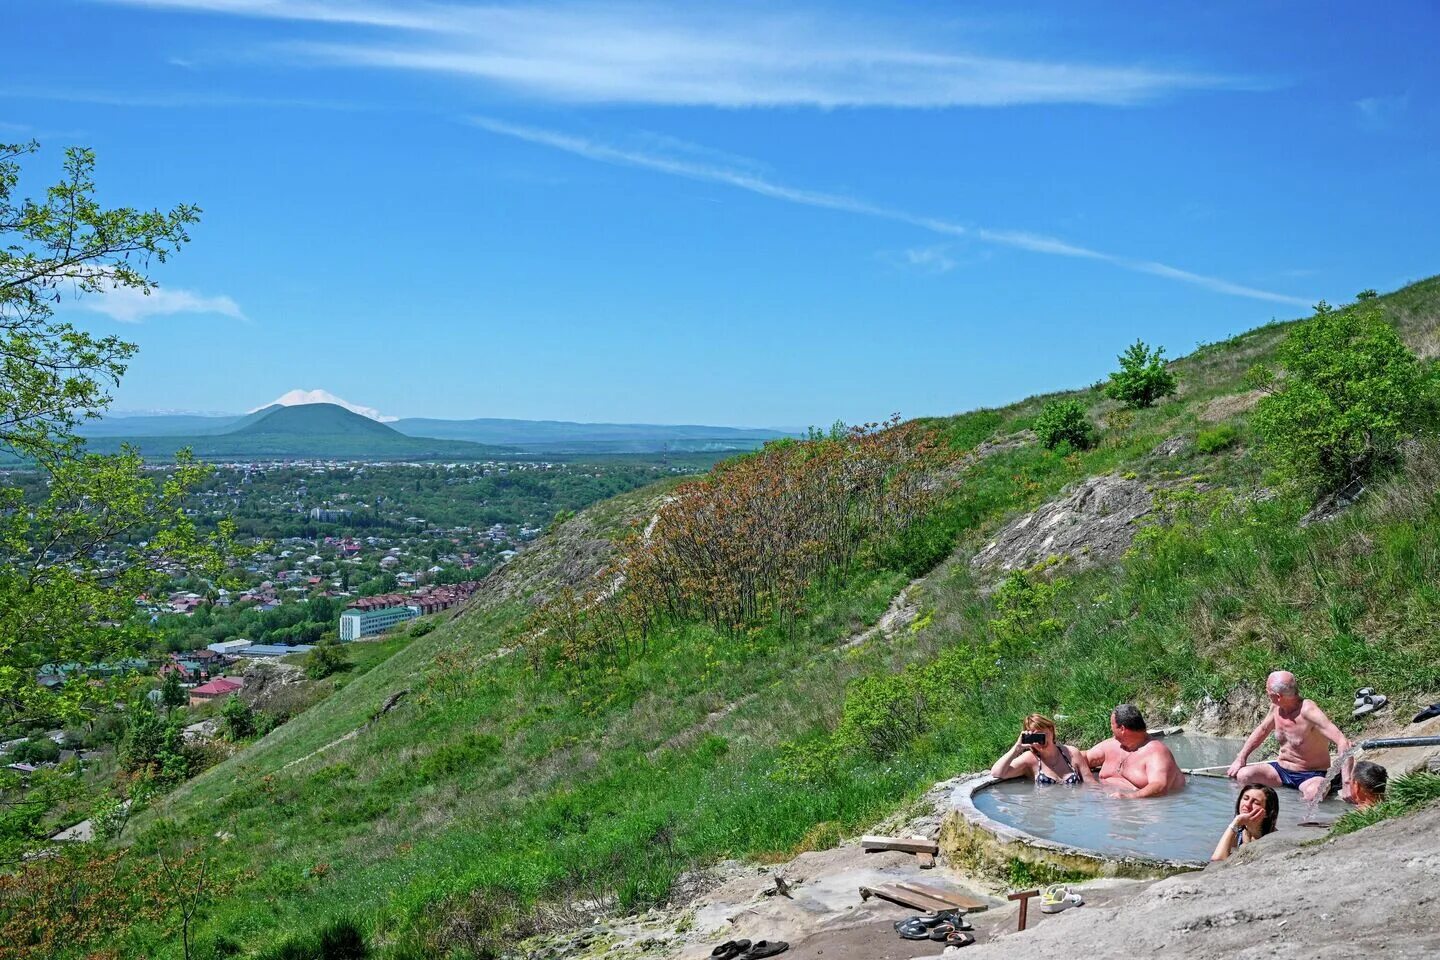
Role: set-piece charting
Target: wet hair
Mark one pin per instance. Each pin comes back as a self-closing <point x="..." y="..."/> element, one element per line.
<point x="1372" y="777"/>
<point x="1272" y="806"/>
<point x="1038" y="721"/>
<point x="1129" y="717"/>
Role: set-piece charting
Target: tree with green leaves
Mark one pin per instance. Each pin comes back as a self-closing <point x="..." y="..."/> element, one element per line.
<point x="172" y="695"/>
<point x="1142" y="379"/>
<point x="1064" y="421"/>
<point x="1351" y="393"/>
<point x="239" y="719"/>
<point x="325" y="659"/>
<point x="101" y="532"/>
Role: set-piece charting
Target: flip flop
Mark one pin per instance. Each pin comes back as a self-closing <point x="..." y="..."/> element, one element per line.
<point x="1431" y="711"/>
<point x="959" y="939"/>
<point x="912" y="929"/>
<point x="730" y="949"/>
<point x="764" y="948"/>
<point x="1370" y="703"/>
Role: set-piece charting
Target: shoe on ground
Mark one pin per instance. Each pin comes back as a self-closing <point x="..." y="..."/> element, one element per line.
<point x="1058" y="897"/>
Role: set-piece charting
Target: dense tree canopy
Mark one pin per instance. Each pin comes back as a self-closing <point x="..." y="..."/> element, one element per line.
<point x="78" y="550"/>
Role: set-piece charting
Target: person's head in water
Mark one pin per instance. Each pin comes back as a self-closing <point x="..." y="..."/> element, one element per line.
<point x="1368" y="784"/>
<point x="1127" y="724"/>
<point x="1258" y="797"/>
<point x="1283" y="690"/>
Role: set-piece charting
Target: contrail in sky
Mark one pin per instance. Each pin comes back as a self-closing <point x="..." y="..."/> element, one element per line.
<point x="743" y="180"/>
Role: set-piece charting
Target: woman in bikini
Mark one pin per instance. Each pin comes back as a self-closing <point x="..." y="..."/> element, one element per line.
<point x="1256" y="810"/>
<point x="1037" y="754"/>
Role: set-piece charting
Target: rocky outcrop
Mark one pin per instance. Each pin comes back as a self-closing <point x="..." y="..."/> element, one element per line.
<point x="1094" y="522"/>
<point x="275" y="687"/>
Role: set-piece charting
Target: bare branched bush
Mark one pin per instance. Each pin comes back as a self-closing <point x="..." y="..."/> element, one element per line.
<point x="744" y="544"/>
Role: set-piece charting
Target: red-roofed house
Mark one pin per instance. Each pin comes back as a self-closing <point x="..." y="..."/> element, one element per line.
<point x="214" y="690"/>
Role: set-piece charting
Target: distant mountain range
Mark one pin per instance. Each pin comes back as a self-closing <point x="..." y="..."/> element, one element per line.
<point x="330" y="431"/>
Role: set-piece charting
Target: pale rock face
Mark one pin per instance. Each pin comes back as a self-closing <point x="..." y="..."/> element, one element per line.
<point x="1093" y="523"/>
<point x="296" y="398"/>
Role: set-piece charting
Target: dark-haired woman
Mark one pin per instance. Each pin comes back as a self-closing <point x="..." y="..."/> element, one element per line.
<point x="1256" y="810"/>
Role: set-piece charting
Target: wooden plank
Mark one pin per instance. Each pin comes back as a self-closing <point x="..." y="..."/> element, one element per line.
<point x="903" y="844"/>
<point x="906" y="898"/>
<point x="952" y="897"/>
<point x="926" y="860"/>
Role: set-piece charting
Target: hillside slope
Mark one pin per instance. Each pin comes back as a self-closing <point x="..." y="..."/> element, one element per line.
<point x="504" y="787"/>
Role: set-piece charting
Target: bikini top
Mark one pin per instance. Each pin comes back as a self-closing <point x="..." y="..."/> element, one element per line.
<point x="1072" y="778"/>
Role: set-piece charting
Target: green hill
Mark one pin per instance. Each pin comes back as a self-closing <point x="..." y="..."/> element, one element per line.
<point x="507" y="782"/>
<point x="307" y="431"/>
<point x="313" y="420"/>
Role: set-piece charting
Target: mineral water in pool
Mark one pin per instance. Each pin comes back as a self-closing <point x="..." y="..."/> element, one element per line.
<point x="1183" y="826"/>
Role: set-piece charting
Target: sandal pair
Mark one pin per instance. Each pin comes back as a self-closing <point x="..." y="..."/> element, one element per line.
<point x="1368" y="701"/>
<point x="745" y="950"/>
<point x="939" y="927"/>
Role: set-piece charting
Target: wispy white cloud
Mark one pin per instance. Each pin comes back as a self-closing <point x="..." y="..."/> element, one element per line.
<point x="744" y="180"/>
<point x="168" y="100"/>
<point x="722" y="55"/>
<point x="929" y="260"/>
<point x="128" y="305"/>
<point x="1381" y="113"/>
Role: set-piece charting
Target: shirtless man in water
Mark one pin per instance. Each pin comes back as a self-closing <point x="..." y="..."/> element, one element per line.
<point x="1305" y="735"/>
<point x="1140" y="766"/>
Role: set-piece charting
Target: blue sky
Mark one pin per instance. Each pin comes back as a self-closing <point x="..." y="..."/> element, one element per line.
<point x="759" y="214"/>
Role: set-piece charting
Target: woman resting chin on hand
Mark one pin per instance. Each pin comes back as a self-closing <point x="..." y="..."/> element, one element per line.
<point x="1256" y="810"/>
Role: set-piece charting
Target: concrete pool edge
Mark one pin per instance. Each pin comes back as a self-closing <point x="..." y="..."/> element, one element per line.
<point x="973" y="838"/>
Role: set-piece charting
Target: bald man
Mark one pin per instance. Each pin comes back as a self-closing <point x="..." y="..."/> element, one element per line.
<point x="1305" y="735"/>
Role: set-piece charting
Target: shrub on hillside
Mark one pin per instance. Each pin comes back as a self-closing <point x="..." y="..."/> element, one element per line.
<point x="36" y="750"/>
<point x="883" y="713"/>
<point x="1142" y="378"/>
<point x="238" y="718"/>
<point x="745" y="544"/>
<point x="327" y="658"/>
<point x="1352" y="392"/>
<point x="338" y="940"/>
<point x="1064" y="421"/>
<point x="1220" y="438"/>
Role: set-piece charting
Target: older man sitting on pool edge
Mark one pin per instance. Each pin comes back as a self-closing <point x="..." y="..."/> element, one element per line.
<point x="1305" y="734"/>
<point x="1140" y="766"/>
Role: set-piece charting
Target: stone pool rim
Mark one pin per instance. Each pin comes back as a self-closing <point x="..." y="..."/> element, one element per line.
<point x="1011" y="841"/>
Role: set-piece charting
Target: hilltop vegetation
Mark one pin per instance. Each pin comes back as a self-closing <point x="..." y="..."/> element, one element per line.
<point x="522" y="771"/>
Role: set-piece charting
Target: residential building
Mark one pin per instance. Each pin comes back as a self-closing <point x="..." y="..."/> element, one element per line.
<point x="214" y="690"/>
<point x="355" y="624"/>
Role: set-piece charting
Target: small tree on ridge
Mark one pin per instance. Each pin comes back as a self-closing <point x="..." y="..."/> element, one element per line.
<point x="1142" y="378"/>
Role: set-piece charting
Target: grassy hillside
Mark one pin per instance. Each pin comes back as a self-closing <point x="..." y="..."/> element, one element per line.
<point x="501" y="783"/>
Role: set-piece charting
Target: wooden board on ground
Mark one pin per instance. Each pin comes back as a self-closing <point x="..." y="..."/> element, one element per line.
<point x="922" y="897"/>
<point x="926" y="860"/>
<point x="954" y="897"/>
<point x="903" y="844"/>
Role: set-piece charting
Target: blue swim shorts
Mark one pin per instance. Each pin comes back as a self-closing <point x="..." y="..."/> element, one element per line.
<point x="1293" y="778"/>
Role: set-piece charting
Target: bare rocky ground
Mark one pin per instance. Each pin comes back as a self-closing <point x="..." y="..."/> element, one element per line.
<point x="1371" y="893"/>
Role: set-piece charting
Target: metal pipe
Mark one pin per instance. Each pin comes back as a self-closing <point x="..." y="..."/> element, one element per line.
<point x="1400" y="742"/>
